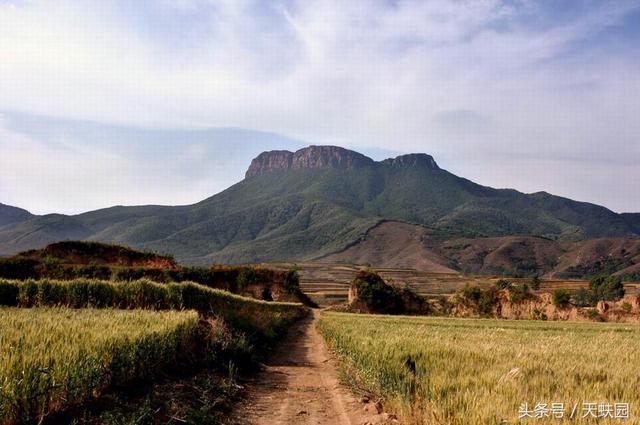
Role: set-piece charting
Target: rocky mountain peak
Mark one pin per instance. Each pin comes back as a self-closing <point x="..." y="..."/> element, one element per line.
<point x="269" y="161"/>
<point x="309" y="157"/>
<point x="413" y="160"/>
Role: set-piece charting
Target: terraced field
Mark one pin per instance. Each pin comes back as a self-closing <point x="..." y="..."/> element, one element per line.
<point x="328" y="283"/>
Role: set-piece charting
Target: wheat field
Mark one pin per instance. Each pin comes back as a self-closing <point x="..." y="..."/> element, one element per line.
<point x="53" y="358"/>
<point x="481" y="371"/>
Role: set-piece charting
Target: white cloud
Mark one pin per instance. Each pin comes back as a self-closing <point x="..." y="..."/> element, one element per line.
<point x="365" y="74"/>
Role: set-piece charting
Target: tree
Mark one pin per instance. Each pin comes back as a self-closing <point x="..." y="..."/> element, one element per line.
<point x="376" y="294"/>
<point x="561" y="298"/>
<point x="608" y="288"/>
<point x="584" y="298"/>
<point x="535" y="283"/>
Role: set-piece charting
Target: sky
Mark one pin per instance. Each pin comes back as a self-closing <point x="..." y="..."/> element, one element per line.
<point x="166" y="101"/>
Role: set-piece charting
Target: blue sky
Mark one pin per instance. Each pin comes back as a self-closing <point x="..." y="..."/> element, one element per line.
<point x="166" y="101"/>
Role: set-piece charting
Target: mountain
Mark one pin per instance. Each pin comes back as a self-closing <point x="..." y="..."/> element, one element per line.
<point x="322" y="200"/>
<point x="11" y="215"/>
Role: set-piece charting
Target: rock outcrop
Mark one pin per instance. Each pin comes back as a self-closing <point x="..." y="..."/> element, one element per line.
<point x="270" y="161"/>
<point x="413" y="160"/>
<point x="330" y="157"/>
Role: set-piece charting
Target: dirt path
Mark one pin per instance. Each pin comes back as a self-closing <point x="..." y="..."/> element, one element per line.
<point x="300" y="386"/>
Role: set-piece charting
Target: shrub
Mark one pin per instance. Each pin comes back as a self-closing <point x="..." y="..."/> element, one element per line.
<point x="539" y="315"/>
<point x="503" y="284"/>
<point x="626" y="307"/>
<point x="481" y="300"/>
<point x="8" y="294"/>
<point x="376" y="295"/>
<point x="18" y="268"/>
<point x="517" y="294"/>
<point x="561" y="298"/>
<point x="584" y="298"/>
<point x="93" y="271"/>
<point x="535" y="283"/>
<point x="607" y="288"/>
<point x="246" y="276"/>
<point x="291" y="282"/>
<point x="129" y="274"/>
<point x="594" y="315"/>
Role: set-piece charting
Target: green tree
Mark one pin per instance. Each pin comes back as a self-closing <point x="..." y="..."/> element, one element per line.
<point x="584" y="298"/>
<point x="561" y="298"/>
<point x="605" y="288"/>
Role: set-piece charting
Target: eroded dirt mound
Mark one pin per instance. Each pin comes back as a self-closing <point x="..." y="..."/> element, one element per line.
<point x="78" y="252"/>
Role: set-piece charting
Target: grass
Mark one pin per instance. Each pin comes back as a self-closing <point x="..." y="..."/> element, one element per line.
<point x="70" y="341"/>
<point x="260" y="319"/>
<point x="478" y="371"/>
<point x="52" y="358"/>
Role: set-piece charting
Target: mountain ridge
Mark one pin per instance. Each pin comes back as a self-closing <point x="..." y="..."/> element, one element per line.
<point x="315" y="156"/>
<point x="317" y="201"/>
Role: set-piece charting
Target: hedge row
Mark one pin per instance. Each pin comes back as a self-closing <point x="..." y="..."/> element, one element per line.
<point x="259" y="318"/>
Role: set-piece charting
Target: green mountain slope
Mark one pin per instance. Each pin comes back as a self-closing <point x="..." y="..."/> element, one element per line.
<point x="318" y="200"/>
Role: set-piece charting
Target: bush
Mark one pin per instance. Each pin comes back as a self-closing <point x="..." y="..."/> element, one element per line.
<point x="18" y="268"/>
<point x="518" y="294"/>
<point x="246" y="276"/>
<point x="539" y="315"/>
<point x="561" y="298"/>
<point x="584" y="298"/>
<point x="93" y="271"/>
<point x="376" y="295"/>
<point x="535" y="283"/>
<point x="129" y="274"/>
<point x="8" y="294"/>
<point x="626" y="307"/>
<point x="291" y="282"/>
<point x="607" y="288"/>
<point x="503" y="284"/>
<point x="594" y="315"/>
<point x="483" y="301"/>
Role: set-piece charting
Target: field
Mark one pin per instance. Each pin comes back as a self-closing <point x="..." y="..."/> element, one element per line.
<point x="328" y="283"/>
<point x="70" y="342"/>
<point x="52" y="358"/>
<point x="466" y="371"/>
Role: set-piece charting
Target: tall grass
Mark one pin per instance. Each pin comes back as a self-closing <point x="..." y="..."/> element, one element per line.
<point x="52" y="358"/>
<point x="475" y="371"/>
<point x="257" y="318"/>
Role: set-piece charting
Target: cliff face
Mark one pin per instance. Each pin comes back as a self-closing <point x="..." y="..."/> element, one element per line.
<point x="413" y="160"/>
<point x="329" y="157"/>
<point x="270" y="161"/>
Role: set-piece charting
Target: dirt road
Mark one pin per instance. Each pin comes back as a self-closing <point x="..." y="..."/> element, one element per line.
<point x="300" y="386"/>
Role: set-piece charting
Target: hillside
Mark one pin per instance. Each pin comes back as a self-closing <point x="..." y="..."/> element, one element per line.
<point x="320" y="200"/>
<point x="86" y="253"/>
<point x="10" y="215"/>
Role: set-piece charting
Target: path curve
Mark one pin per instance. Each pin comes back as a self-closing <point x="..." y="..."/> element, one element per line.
<point x="300" y="385"/>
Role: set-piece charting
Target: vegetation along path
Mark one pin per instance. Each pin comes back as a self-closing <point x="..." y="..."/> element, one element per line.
<point x="300" y="386"/>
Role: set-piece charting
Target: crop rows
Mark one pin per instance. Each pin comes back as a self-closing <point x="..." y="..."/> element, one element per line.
<point x="241" y="313"/>
<point x="464" y="371"/>
<point x="51" y="358"/>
